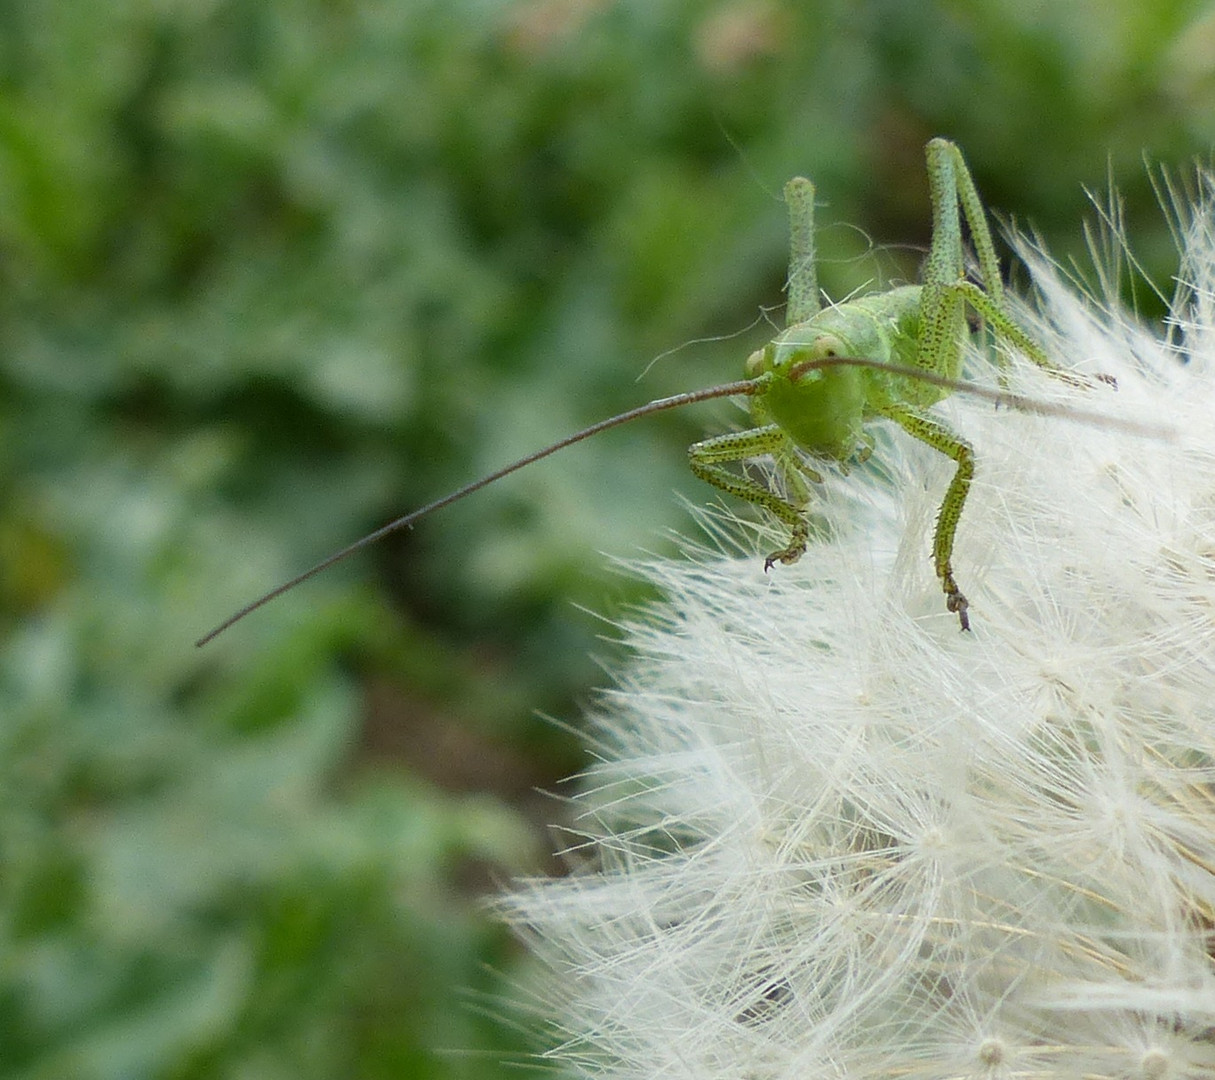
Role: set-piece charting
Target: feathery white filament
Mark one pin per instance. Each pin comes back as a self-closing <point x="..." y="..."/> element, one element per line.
<point x="832" y="836"/>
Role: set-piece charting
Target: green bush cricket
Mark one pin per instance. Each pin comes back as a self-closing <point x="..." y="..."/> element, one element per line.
<point x="888" y="355"/>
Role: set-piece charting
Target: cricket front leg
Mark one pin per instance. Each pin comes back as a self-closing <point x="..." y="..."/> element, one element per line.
<point x="953" y="446"/>
<point x="707" y="460"/>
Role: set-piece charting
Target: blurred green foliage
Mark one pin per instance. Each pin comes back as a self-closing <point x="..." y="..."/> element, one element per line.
<point x="273" y="272"/>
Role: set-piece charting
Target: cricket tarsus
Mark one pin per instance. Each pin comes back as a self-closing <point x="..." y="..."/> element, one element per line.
<point x="958" y="604"/>
<point x="890" y="355"/>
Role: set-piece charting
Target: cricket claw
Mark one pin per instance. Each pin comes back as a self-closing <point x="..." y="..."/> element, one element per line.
<point x="795" y="550"/>
<point x="785" y="557"/>
<point x="958" y="604"/>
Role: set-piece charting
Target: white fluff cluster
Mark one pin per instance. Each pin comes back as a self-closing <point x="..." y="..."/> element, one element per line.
<point x="830" y="835"/>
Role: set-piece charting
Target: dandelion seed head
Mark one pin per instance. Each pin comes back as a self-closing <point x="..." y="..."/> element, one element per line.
<point x="829" y="836"/>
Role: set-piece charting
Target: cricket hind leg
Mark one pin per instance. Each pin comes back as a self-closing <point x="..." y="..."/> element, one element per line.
<point x="707" y="460"/>
<point x="1004" y="327"/>
<point x="940" y="438"/>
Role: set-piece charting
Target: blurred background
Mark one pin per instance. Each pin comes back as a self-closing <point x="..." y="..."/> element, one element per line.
<point x="276" y="271"/>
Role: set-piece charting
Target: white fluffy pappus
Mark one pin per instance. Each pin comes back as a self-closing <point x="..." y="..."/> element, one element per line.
<point x="830" y="835"/>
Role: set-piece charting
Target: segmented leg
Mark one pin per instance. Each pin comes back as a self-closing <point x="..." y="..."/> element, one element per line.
<point x="947" y="291"/>
<point x="939" y="437"/>
<point x="955" y="182"/>
<point x="941" y="308"/>
<point x="1005" y="328"/>
<point x="803" y="274"/>
<point x="707" y="458"/>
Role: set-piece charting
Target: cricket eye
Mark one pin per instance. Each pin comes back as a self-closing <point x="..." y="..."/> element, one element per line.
<point x="758" y="362"/>
<point x="826" y="347"/>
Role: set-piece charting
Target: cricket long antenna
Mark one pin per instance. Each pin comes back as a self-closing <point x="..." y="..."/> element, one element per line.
<point x="744" y="386"/>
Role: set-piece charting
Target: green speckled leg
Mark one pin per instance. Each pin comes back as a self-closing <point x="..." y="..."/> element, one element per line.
<point x="706" y="459"/>
<point x="949" y="180"/>
<point x="803" y="275"/>
<point x="1005" y="328"/>
<point x="954" y="446"/>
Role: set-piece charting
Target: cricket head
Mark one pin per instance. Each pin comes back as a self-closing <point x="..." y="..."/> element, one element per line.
<point x="859" y="328"/>
<point x="821" y="409"/>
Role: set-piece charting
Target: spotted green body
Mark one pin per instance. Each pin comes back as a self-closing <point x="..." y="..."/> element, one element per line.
<point x="802" y="415"/>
